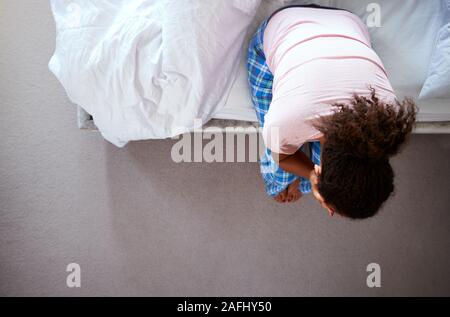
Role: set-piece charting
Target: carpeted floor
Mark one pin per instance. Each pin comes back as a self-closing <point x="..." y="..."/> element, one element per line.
<point x="139" y="224"/>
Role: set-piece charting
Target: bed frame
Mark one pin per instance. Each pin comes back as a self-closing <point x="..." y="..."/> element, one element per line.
<point x="85" y="122"/>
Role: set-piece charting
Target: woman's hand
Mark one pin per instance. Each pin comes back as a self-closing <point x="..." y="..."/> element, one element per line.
<point x="314" y="179"/>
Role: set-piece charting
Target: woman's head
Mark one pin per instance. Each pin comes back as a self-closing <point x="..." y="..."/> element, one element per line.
<point x="356" y="176"/>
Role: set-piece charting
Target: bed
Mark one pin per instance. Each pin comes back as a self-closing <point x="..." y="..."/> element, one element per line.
<point x="404" y="42"/>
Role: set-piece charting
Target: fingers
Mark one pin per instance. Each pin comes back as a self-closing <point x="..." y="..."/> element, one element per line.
<point x="314" y="184"/>
<point x="315" y="191"/>
<point x="318" y="170"/>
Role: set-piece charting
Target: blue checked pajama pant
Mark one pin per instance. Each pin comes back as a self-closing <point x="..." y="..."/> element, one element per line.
<point x="261" y="79"/>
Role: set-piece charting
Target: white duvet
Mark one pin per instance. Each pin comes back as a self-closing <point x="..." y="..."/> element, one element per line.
<point x="148" y="69"/>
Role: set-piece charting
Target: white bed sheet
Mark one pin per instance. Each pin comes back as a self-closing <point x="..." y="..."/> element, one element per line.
<point x="404" y="42"/>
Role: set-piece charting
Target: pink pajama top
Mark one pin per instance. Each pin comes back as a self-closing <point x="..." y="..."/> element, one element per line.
<point x="318" y="57"/>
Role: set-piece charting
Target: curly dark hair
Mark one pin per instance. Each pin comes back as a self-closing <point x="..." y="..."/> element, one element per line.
<point x="357" y="177"/>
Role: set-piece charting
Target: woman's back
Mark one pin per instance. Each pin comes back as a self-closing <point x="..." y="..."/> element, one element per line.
<point x="318" y="57"/>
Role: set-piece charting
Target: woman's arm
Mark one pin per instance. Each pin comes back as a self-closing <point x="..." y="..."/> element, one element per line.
<point x="298" y="163"/>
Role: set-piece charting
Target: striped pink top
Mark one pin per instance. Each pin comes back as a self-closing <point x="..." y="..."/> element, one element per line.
<point x="318" y="57"/>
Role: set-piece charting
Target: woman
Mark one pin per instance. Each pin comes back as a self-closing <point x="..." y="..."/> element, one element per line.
<point x="316" y="79"/>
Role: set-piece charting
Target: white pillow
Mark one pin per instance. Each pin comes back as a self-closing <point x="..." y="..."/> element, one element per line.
<point x="437" y="84"/>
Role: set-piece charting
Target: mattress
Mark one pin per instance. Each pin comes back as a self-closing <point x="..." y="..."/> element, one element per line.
<point x="404" y="43"/>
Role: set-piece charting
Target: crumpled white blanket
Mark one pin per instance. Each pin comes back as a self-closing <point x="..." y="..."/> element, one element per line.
<point x="149" y="69"/>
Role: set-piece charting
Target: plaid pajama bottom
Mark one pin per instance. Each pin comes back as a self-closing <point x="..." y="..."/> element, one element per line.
<point x="261" y="79"/>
